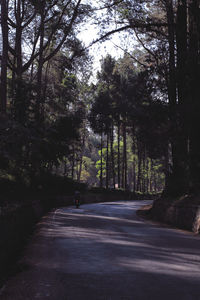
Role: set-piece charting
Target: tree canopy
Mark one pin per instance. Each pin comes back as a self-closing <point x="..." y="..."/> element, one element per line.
<point x="135" y="126"/>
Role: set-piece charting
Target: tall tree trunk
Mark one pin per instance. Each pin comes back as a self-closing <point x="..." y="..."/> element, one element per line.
<point x="101" y="170"/>
<point x="19" y="97"/>
<point x="4" y="60"/>
<point x="39" y="114"/>
<point x="172" y="94"/>
<point x="176" y="180"/>
<point x="139" y="169"/>
<point x="134" y="176"/>
<point x="65" y="168"/>
<point x="80" y="168"/>
<point x="155" y="182"/>
<point x="112" y="154"/>
<point x="194" y="92"/>
<point x="151" y="176"/>
<point x="118" y="156"/>
<point x="167" y="166"/>
<point x="47" y="68"/>
<point x="124" y="156"/>
<point x="81" y="157"/>
<point x="147" y="179"/>
<point x="73" y="163"/>
<point x="134" y="162"/>
<point x="182" y="137"/>
<point x="143" y="172"/>
<point x="122" y="173"/>
<point x="107" y="162"/>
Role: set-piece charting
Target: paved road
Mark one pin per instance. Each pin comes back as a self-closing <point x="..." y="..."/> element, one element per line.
<point x="105" y="252"/>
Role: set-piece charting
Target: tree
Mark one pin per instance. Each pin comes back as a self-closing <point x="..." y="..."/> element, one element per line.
<point x="100" y="122"/>
<point x="123" y="102"/>
<point x="4" y="59"/>
<point x="175" y="25"/>
<point x="54" y="24"/>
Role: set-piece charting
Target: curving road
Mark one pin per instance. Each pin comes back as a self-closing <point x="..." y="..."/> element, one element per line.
<point x="104" y="251"/>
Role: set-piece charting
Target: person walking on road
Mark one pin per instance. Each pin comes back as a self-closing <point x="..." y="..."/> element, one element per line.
<point x="77" y="198"/>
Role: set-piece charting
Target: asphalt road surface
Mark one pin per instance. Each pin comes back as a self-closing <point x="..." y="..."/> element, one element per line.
<point x="105" y="252"/>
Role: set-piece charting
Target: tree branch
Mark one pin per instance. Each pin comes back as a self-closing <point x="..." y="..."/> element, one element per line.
<point x="147" y="49"/>
<point x="29" y="20"/>
<point x="106" y="6"/>
<point x="55" y="51"/>
<point x="106" y="35"/>
<point x="133" y="57"/>
<point x="12" y="23"/>
<point x="56" y="26"/>
<point x="136" y="24"/>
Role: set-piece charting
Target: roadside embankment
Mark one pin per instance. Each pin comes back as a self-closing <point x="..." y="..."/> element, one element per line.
<point x="182" y="212"/>
<point x="16" y="224"/>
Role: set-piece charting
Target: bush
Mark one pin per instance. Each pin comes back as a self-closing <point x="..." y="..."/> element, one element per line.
<point x="54" y="184"/>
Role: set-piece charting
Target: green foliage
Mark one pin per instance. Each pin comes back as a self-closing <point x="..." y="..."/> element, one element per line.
<point x="50" y="102"/>
<point x="25" y="151"/>
<point x="123" y="98"/>
<point x="88" y="166"/>
<point x="55" y="184"/>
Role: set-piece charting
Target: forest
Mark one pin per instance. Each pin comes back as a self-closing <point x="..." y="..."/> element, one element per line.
<point x="134" y="125"/>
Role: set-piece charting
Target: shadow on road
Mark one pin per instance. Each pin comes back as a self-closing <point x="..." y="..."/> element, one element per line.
<point x="105" y="251"/>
